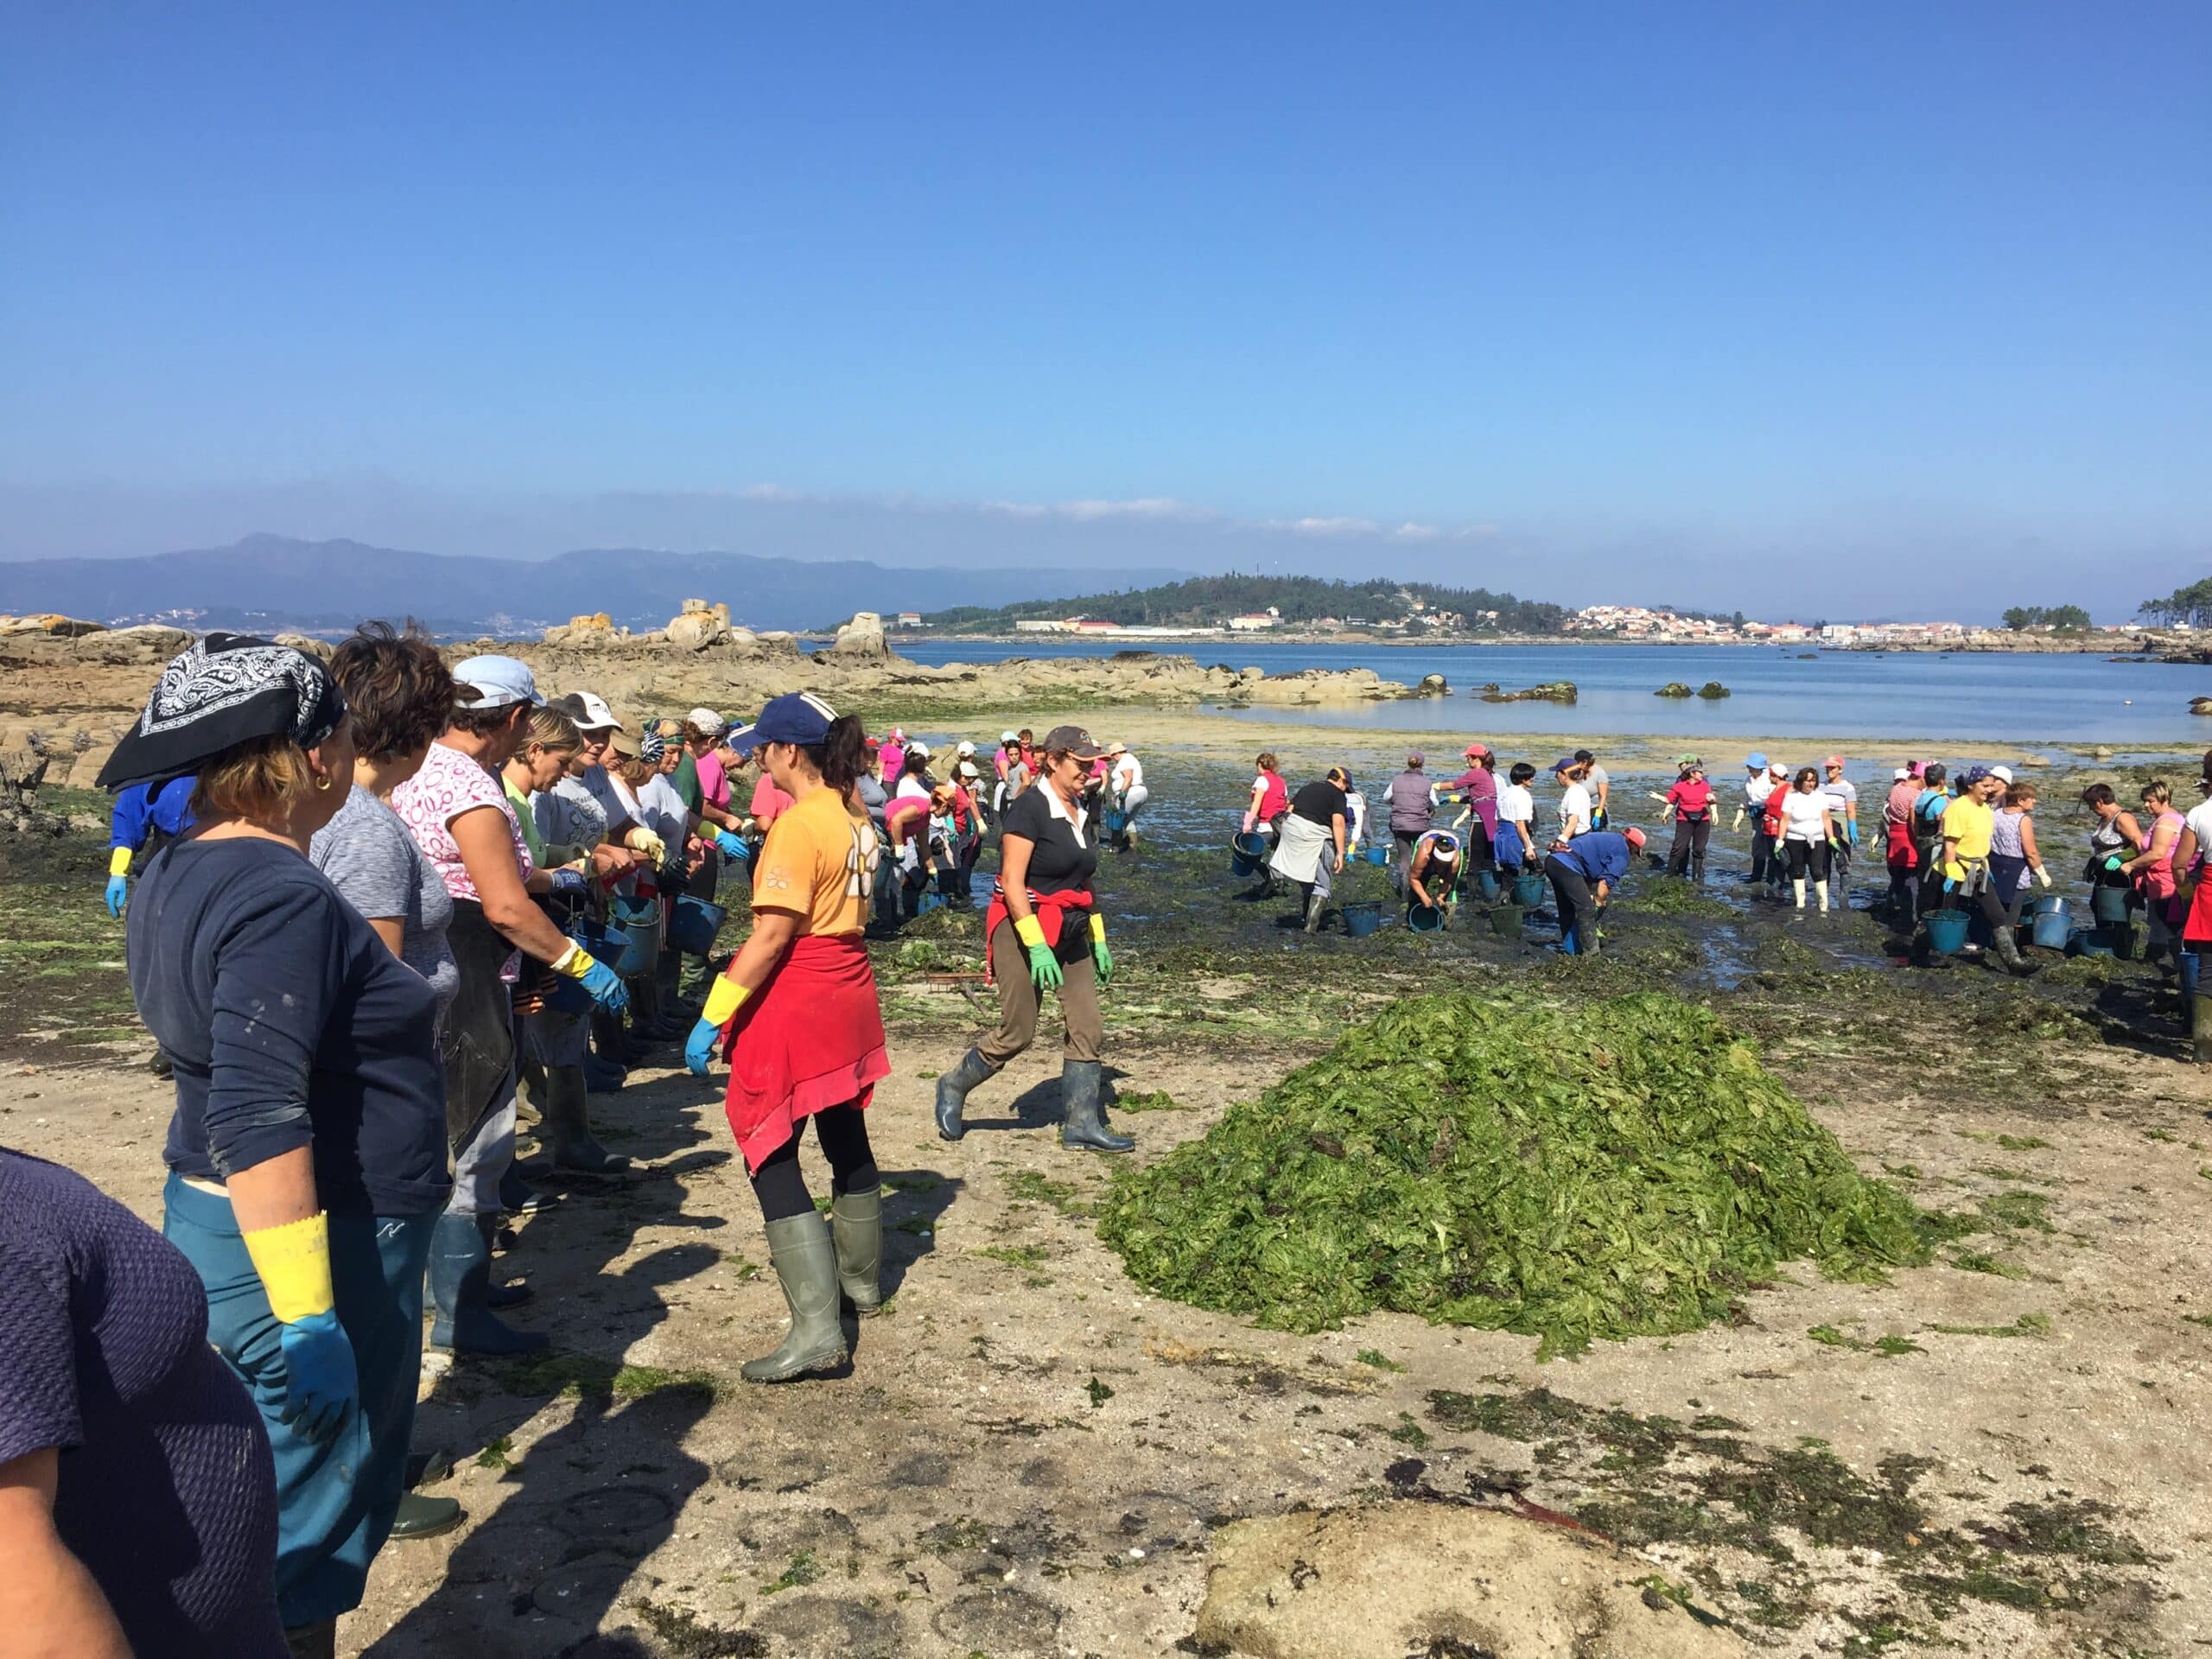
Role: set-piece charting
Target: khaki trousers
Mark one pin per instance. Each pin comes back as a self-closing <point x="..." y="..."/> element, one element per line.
<point x="1019" y="1001"/>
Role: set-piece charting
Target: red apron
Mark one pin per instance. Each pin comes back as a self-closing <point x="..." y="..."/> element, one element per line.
<point x="811" y="1038"/>
<point x="2198" y="929"/>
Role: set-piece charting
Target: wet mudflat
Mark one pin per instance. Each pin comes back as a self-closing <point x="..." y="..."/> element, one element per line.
<point x="1998" y="1453"/>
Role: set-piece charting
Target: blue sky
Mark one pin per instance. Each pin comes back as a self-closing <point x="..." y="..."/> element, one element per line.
<point x="1706" y="302"/>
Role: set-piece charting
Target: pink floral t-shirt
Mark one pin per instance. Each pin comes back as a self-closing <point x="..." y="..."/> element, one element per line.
<point x="449" y="785"/>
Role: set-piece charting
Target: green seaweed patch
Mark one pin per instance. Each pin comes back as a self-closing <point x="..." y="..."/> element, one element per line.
<point x="1147" y="1100"/>
<point x="560" y="1375"/>
<point x="1888" y="1346"/>
<point x="2028" y="1325"/>
<point x="1618" y="1169"/>
<point x="1673" y="895"/>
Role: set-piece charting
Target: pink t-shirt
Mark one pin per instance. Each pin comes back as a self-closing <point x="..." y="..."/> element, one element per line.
<point x="448" y="784"/>
<point x="714" y="783"/>
<point x="769" y="803"/>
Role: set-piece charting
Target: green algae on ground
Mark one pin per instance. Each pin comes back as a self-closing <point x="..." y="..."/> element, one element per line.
<point x="1616" y="1170"/>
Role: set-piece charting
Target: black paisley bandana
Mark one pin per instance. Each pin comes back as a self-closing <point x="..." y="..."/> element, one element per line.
<point x="227" y="690"/>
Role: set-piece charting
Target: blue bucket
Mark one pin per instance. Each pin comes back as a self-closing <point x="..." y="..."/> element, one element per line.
<point x="1378" y="855"/>
<point x="1947" y="931"/>
<point x="606" y="945"/>
<point x="1115" y="823"/>
<point x="1487" y="882"/>
<point x="1529" y="890"/>
<point x="2109" y="904"/>
<point x="1362" y="919"/>
<point x="1245" y="852"/>
<point x="692" y="928"/>
<point x="636" y="923"/>
<point x="2052" y="929"/>
<point x="1424" y="919"/>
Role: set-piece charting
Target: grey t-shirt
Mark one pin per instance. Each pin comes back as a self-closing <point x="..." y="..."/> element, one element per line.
<point x="594" y="784"/>
<point x="569" y="816"/>
<point x="370" y="858"/>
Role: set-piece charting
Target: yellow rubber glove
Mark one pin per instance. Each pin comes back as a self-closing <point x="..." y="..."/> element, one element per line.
<point x="724" y="1000"/>
<point x="294" y="1263"/>
<point x="643" y="840"/>
<point x="119" y="861"/>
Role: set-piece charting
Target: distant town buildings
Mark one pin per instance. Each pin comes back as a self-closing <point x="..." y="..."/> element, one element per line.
<point x="1607" y="621"/>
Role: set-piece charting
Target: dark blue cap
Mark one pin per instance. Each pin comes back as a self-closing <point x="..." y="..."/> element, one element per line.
<point x="797" y="717"/>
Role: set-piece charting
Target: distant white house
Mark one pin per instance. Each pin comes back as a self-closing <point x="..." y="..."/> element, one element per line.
<point x="1040" y="624"/>
<point x="910" y="619"/>
<point x="1253" y="621"/>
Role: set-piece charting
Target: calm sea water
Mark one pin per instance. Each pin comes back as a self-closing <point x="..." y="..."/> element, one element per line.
<point x="1995" y="697"/>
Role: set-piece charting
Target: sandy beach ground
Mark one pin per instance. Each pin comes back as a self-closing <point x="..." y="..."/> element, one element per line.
<point x="2001" y="1454"/>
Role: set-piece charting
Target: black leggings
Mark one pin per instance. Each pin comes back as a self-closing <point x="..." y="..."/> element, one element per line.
<point x="1690" y="838"/>
<point x="1993" y="909"/>
<point x="843" y="1131"/>
<point x="1807" y="854"/>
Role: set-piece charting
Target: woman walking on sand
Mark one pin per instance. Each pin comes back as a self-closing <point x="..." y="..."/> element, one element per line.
<point x="1044" y="932"/>
<point x="796" y="1014"/>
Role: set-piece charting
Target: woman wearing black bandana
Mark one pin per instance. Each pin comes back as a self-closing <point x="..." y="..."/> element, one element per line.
<point x="306" y="1156"/>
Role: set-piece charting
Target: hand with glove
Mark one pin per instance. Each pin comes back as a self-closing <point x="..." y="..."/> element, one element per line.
<point x="724" y="1001"/>
<point x="570" y="884"/>
<point x="1739" y="823"/>
<point x="322" y="1383"/>
<point x="2043" y="875"/>
<point x="610" y="992"/>
<point x="118" y="881"/>
<point x="1101" y="957"/>
<point x="643" y="841"/>
<point x="732" y="846"/>
<point x="1044" y="967"/>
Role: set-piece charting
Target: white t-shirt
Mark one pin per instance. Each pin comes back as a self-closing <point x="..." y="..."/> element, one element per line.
<point x="1127" y="774"/>
<point x="2200" y="819"/>
<point x="1801" y="815"/>
<point x="1843" y="795"/>
<point x="1515" y="804"/>
<point x="1574" y="807"/>
<point x="1756" y="788"/>
<point x="1355" y="816"/>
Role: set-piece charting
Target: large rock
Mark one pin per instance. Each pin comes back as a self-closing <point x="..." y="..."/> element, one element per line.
<point x="322" y="649"/>
<point x="1672" y="688"/>
<point x="863" y="638"/>
<point x="52" y="624"/>
<point x="597" y="629"/>
<point x="1390" y="1579"/>
<point x="694" y="629"/>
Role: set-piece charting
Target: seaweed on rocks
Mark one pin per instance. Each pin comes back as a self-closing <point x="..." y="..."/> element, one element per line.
<point x="1620" y="1169"/>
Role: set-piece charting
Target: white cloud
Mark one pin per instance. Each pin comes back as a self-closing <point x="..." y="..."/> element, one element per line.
<point x="1090" y="510"/>
<point x="1410" y="531"/>
<point x="1326" y="526"/>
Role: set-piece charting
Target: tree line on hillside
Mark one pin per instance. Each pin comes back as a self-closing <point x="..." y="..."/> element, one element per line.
<point x="1210" y="602"/>
<point x="2059" y="618"/>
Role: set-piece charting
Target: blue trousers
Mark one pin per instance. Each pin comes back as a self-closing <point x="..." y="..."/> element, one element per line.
<point x="334" y="1501"/>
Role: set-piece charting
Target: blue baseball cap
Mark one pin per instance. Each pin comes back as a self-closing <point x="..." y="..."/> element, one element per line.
<point x="1563" y="763"/>
<point x="797" y="717"/>
<point x="494" y="682"/>
<point x="1756" y="761"/>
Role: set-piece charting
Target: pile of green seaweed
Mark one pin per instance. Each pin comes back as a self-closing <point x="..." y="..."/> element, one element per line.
<point x="1616" y="1168"/>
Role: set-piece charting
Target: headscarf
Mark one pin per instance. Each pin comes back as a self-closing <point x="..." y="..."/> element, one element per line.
<point x="226" y="689"/>
<point x="651" y="746"/>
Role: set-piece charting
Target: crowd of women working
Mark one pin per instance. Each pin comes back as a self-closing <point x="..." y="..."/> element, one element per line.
<point x="367" y="908"/>
<point x="1444" y="834"/>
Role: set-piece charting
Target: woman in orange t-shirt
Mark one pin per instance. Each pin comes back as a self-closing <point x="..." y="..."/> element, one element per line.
<point x="804" y="1030"/>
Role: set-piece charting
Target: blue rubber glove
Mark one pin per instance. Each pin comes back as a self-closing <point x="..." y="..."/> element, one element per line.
<point x="571" y="884"/>
<point x="118" y="894"/>
<point x="610" y="993"/>
<point x="321" y="1382"/>
<point x="732" y="846"/>
<point x="699" y="1047"/>
<point x="1851" y="831"/>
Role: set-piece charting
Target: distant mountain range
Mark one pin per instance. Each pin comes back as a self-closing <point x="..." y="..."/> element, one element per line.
<point x="267" y="583"/>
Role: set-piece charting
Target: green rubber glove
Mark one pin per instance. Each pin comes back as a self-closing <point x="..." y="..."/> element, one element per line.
<point x="1103" y="960"/>
<point x="1045" y="967"/>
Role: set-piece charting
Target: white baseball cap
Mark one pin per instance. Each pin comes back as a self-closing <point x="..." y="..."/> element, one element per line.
<point x="918" y="748"/>
<point x="597" y="716"/>
<point x="1009" y="737"/>
<point x="2002" y="774"/>
<point x="707" y="721"/>
<point x="965" y="749"/>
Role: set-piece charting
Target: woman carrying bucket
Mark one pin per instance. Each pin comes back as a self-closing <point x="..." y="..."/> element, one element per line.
<point x="1582" y="876"/>
<point x="796" y="1014"/>
<point x="1125" y="789"/>
<point x="1263" y="812"/>
<point x="1968" y="825"/>
<point x="1045" y="933"/>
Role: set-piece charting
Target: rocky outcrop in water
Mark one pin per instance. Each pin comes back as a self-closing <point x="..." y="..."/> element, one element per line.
<point x="1550" y="691"/>
<point x="1672" y="688"/>
<point x="1712" y="690"/>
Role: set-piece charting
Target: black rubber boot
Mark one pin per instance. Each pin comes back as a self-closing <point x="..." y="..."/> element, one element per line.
<point x="952" y="1091"/>
<point x="2199" y="1027"/>
<point x="461" y="1275"/>
<point x="2008" y="952"/>
<point x="566" y="1128"/>
<point x="1316" y="903"/>
<point x="314" y="1641"/>
<point x="806" y="1261"/>
<point x="856" y="1229"/>
<point x="425" y="1517"/>
<point x="1081" y="1086"/>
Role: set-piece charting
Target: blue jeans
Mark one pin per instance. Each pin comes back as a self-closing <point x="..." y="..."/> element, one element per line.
<point x="334" y="1501"/>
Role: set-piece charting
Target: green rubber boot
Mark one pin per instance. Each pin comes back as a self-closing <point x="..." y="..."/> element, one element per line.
<point x="857" y="1227"/>
<point x="2199" y="1027"/>
<point x="425" y="1518"/>
<point x="566" y="1127"/>
<point x="805" y="1260"/>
